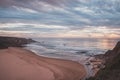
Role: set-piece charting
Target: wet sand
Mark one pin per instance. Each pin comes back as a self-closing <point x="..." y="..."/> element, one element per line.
<point x="21" y="64"/>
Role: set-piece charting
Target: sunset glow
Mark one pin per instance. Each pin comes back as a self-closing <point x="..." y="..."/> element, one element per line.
<point x="60" y="18"/>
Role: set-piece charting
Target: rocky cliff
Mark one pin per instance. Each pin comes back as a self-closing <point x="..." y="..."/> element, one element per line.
<point x="112" y="65"/>
<point x="6" y="42"/>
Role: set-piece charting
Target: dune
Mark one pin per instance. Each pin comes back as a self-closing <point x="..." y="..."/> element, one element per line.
<point x="22" y="64"/>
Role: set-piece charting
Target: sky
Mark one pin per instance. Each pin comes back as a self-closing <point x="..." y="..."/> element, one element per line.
<point x="60" y="18"/>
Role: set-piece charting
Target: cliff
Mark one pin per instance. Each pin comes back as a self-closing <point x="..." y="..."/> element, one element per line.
<point x="112" y="65"/>
<point x="6" y="42"/>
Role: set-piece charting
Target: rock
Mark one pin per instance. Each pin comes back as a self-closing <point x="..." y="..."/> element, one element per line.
<point x="6" y="42"/>
<point x="87" y="63"/>
<point x="111" y="70"/>
<point x="111" y="54"/>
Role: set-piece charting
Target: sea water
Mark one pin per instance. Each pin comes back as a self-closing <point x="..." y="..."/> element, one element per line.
<point x="76" y="49"/>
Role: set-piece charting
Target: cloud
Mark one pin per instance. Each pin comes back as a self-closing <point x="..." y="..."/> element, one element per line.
<point x="32" y="28"/>
<point x="35" y="4"/>
<point x="25" y="9"/>
<point x="68" y="15"/>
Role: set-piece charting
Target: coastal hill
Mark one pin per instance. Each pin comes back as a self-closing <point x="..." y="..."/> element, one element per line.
<point x="112" y="65"/>
<point x="6" y="42"/>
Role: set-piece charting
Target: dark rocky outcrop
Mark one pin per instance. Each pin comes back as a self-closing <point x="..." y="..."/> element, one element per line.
<point x="6" y="42"/>
<point x="112" y="65"/>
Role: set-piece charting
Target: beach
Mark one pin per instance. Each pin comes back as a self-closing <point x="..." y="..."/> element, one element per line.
<point x="27" y="59"/>
<point x="22" y="64"/>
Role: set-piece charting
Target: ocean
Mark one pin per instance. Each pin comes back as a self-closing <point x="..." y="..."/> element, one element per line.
<point x="77" y="49"/>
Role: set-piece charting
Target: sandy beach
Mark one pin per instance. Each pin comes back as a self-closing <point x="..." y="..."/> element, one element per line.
<point x="21" y="64"/>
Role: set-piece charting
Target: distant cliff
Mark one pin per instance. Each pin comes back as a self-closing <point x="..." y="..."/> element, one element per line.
<point x="112" y="65"/>
<point x="6" y="42"/>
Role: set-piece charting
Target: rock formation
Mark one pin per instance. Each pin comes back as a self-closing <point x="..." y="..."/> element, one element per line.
<point x="6" y="42"/>
<point x="112" y="65"/>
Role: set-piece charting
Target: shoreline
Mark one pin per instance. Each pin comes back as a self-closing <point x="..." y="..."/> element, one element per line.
<point x="19" y="42"/>
<point x="55" y="68"/>
<point x="62" y="69"/>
